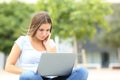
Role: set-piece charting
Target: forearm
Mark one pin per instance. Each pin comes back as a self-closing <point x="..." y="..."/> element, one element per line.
<point x="51" y="50"/>
<point x="14" y="69"/>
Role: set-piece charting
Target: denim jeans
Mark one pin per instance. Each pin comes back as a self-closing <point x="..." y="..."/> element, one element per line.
<point x="77" y="74"/>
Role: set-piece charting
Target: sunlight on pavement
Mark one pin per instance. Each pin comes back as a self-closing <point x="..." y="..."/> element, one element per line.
<point x="104" y="74"/>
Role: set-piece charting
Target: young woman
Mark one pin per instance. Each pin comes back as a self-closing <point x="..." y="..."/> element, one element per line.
<point x="26" y="51"/>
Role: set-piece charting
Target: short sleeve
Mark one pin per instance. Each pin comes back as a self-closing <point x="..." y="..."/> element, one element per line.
<point x="52" y="43"/>
<point x="20" y="41"/>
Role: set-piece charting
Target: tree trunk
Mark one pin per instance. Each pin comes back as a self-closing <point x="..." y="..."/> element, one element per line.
<point x="119" y="54"/>
<point x="84" y="58"/>
<point x="76" y="50"/>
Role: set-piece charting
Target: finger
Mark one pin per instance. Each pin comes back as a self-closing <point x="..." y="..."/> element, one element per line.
<point x="49" y="36"/>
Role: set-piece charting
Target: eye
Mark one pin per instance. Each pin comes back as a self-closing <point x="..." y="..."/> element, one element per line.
<point x="48" y="29"/>
<point x="40" y="29"/>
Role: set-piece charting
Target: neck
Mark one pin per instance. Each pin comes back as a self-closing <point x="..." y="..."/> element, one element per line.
<point x="35" y="40"/>
<point x="37" y="44"/>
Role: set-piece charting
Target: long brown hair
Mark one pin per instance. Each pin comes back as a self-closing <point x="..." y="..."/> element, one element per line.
<point x="37" y="20"/>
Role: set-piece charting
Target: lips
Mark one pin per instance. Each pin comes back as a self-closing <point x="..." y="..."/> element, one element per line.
<point x="42" y="37"/>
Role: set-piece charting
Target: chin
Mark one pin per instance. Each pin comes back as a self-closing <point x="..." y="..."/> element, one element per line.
<point x="41" y="39"/>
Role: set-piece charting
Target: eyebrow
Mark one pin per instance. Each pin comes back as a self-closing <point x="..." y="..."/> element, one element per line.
<point x="43" y="29"/>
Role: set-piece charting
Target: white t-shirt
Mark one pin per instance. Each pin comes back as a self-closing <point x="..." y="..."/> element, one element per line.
<point x="29" y="57"/>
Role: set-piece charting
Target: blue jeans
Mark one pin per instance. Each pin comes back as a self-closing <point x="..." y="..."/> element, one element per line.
<point x="77" y="74"/>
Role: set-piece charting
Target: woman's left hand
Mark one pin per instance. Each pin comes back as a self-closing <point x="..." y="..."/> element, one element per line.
<point x="46" y="42"/>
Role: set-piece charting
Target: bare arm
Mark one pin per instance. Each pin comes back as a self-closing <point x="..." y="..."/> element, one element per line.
<point x="51" y="50"/>
<point x="46" y="43"/>
<point x="12" y="59"/>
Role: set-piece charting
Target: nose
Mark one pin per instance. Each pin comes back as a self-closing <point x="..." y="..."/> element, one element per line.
<point x="44" y="33"/>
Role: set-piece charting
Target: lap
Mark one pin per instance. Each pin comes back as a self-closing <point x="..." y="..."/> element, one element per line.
<point x="77" y="74"/>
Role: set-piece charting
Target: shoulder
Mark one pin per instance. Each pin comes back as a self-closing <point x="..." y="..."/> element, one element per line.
<point x="21" y="40"/>
<point x="22" y="37"/>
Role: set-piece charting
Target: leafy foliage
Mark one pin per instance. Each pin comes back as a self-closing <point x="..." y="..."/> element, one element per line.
<point x="13" y="19"/>
<point x="76" y="18"/>
<point x="71" y="18"/>
<point x="112" y="38"/>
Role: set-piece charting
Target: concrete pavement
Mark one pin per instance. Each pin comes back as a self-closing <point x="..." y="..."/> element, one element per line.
<point x="8" y="76"/>
<point x="104" y="74"/>
<point x="94" y="74"/>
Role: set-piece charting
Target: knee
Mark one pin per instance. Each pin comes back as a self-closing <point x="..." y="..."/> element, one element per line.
<point x="30" y="75"/>
<point x="79" y="74"/>
<point x="82" y="71"/>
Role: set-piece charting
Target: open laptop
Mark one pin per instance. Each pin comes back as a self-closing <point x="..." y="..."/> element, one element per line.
<point x="56" y="64"/>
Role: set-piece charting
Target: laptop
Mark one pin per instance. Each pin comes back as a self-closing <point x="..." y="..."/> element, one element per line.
<point x="56" y="64"/>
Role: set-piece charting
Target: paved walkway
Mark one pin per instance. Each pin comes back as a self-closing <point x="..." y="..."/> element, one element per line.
<point x="99" y="74"/>
<point x="104" y="74"/>
<point x="8" y="76"/>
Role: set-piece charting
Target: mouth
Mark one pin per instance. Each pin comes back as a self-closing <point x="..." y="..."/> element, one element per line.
<point x="43" y="37"/>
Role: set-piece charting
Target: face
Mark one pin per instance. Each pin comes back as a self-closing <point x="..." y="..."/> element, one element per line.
<point x="43" y="31"/>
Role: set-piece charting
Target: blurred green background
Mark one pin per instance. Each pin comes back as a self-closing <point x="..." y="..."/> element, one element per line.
<point x="92" y="25"/>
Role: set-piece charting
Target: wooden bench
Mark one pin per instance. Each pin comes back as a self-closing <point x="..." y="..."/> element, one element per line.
<point x="114" y="66"/>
